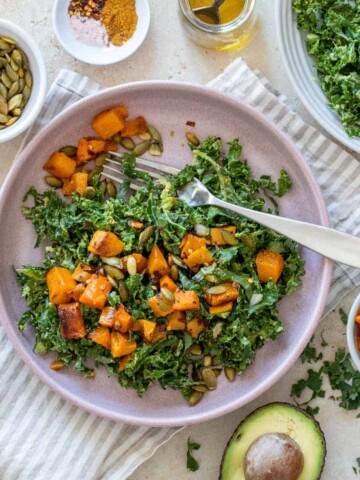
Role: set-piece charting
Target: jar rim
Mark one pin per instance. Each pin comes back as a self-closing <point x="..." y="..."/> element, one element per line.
<point x="238" y="21"/>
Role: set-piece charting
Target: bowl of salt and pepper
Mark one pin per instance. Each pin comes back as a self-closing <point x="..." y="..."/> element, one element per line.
<point x="101" y="32"/>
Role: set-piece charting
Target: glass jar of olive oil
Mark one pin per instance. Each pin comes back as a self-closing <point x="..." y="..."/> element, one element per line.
<point x="237" y="23"/>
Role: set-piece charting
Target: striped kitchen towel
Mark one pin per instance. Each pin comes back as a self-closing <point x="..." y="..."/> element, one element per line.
<point x="43" y="436"/>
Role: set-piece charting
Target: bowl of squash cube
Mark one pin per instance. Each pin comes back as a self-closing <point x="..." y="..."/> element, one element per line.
<point x="77" y="134"/>
<point x="353" y="332"/>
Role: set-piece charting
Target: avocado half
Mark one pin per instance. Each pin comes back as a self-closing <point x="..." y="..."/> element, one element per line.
<point x="276" y="418"/>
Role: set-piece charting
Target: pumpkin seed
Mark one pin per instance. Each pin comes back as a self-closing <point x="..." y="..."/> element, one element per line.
<point x="155" y="134"/>
<point x="123" y="291"/>
<point x="210" y="278"/>
<point x="53" y="182"/>
<point x="201" y="230"/>
<point x="230" y="373"/>
<point x="247" y="240"/>
<point x="114" y="272"/>
<point x="6" y="80"/>
<point x="17" y="112"/>
<point x="146" y="234"/>
<point x="21" y="84"/>
<point x="16" y="56"/>
<point x="89" y="193"/>
<point x="100" y="160"/>
<point x="127" y="143"/>
<point x="177" y="260"/>
<point x="11" y="121"/>
<point x="195" y="350"/>
<point x="102" y="188"/>
<point x="174" y="273"/>
<point x="4" y="44"/>
<point x="112" y="281"/>
<point x="21" y="73"/>
<point x="112" y="261"/>
<point x="229" y="237"/>
<point x="192" y="139"/>
<point x="167" y="294"/>
<point x="111" y="189"/>
<point x="131" y="265"/>
<point x="209" y="378"/>
<point x="28" y="78"/>
<point x="14" y="89"/>
<point x="69" y="150"/>
<point x="57" y="365"/>
<point x="145" y="136"/>
<point x="95" y="171"/>
<point x="116" y="137"/>
<point x="207" y="361"/>
<point x="217" y="329"/>
<point x="217" y="371"/>
<point x="24" y="57"/>
<point x="3" y="91"/>
<point x="26" y="93"/>
<point x="8" y="40"/>
<point x="10" y="72"/>
<point x="4" y="118"/>
<point x="141" y="148"/>
<point x="164" y="307"/>
<point x="155" y="150"/>
<point x="3" y="107"/>
<point x="14" y="66"/>
<point x="200" y="388"/>
<point x="15" y="101"/>
<point x="216" y="290"/>
<point x="195" y="398"/>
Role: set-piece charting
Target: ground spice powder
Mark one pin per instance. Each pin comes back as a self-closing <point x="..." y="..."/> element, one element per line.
<point x="120" y="19"/>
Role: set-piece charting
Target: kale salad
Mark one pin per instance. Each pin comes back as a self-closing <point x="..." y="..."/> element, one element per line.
<point x="153" y="290"/>
<point x="333" y="39"/>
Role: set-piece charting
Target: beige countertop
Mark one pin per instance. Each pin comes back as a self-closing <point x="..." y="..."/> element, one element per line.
<point x="166" y="54"/>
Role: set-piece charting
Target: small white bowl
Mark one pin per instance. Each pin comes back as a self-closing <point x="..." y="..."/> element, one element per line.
<point x="38" y="70"/>
<point x="352" y="332"/>
<point x="93" y="54"/>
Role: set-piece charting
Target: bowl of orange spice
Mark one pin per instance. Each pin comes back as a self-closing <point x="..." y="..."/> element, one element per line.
<point x="353" y="332"/>
<point x="101" y="32"/>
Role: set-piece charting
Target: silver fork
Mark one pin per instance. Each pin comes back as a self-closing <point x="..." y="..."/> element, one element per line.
<point x="336" y="245"/>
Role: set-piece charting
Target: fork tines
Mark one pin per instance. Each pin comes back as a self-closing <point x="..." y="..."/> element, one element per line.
<point x="155" y="170"/>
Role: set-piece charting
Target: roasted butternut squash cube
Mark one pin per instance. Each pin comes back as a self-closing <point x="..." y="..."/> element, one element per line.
<point x="77" y="291"/>
<point x="72" y="324"/>
<point x="160" y="306"/>
<point x="230" y="295"/>
<point x="83" y="154"/>
<point x="217" y="236"/>
<point x="269" y="265"/>
<point x="120" y="344"/>
<point x="186" y="300"/>
<point x="190" y="243"/>
<point x="77" y="183"/>
<point x="147" y="329"/>
<point x="108" y="123"/>
<point x="157" y="266"/>
<point x="95" y="294"/>
<point x="122" y="319"/>
<point x="199" y="257"/>
<point x="225" y="307"/>
<point x="134" y="127"/>
<point x="107" y="317"/>
<point x="60" y="283"/>
<point x="177" y="321"/>
<point x="195" y="326"/>
<point x="82" y="272"/>
<point x="60" y="165"/>
<point x="101" y="335"/>
<point x="123" y="362"/>
<point x="159" y="333"/>
<point x="106" y="244"/>
<point x="167" y="282"/>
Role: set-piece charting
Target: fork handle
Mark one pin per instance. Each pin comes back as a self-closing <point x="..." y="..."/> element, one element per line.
<point x="331" y="243"/>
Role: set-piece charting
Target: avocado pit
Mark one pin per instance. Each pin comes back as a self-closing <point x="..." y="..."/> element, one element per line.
<point x="273" y="456"/>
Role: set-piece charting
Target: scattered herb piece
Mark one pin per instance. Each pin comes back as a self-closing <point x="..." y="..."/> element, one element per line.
<point x="343" y="316"/>
<point x="310" y="354"/>
<point x="191" y="463"/>
<point x="313" y="382"/>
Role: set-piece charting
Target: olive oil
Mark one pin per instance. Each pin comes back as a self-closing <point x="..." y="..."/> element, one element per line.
<point x="229" y="10"/>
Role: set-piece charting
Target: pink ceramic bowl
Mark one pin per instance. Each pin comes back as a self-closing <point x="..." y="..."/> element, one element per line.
<point x="168" y="106"/>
